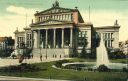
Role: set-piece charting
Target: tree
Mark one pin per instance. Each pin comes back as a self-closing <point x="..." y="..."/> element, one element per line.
<point x="103" y="68"/>
<point x="74" y="53"/>
<point x="116" y="54"/>
<point x="83" y="53"/>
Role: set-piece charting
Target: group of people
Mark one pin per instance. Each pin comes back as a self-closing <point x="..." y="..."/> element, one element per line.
<point x="54" y="56"/>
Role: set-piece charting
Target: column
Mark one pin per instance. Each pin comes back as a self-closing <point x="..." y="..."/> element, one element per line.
<point x="111" y="39"/>
<point x="38" y="39"/>
<point x="31" y="39"/>
<point x="46" y="38"/>
<point x="71" y="35"/>
<point x="54" y="38"/>
<point x="35" y="39"/>
<point x="62" y="38"/>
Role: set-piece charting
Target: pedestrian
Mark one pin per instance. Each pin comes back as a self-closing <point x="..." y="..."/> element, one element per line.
<point x="41" y="58"/>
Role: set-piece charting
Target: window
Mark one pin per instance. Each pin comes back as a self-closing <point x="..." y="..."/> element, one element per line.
<point x="108" y="35"/>
<point x="108" y="43"/>
<point x="105" y="43"/>
<point x="81" y="38"/>
<point x="27" y="36"/>
<point x="30" y="36"/>
<point x="111" y="43"/>
<point x="39" y="19"/>
<point x="111" y="35"/>
<point x="82" y="34"/>
<point x="105" y="35"/>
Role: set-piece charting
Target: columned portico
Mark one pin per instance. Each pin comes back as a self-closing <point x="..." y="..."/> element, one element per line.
<point x="59" y="38"/>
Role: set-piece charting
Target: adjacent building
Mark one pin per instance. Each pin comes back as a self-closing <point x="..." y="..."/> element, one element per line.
<point x="6" y="43"/>
<point x="56" y="31"/>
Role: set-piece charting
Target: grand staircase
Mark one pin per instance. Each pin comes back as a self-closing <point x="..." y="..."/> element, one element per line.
<point x="52" y="53"/>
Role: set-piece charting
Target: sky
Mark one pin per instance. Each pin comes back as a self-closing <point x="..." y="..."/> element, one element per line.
<point x="15" y="13"/>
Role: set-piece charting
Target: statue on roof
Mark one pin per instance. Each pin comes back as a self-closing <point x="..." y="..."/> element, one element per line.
<point x="116" y="23"/>
<point x="56" y="4"/>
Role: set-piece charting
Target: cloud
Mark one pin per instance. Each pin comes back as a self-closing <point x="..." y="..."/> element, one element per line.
<point x="9" y="23"/>
<point x="20" y="10"/>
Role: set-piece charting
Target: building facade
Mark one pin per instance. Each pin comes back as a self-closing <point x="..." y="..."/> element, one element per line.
<point x="6" y="43"/>
<point x="56" y="31"/>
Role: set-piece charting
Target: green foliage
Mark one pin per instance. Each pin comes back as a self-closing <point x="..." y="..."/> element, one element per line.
<point x="96" y="40"/>
<point x="116" y="55"/>
<point x="60" y="62"/>
<point x="125" y="70"/>
<point x="72" y="75"/>
<point x="27" y="52"/>
<point x="103" y="68"/>
<point x="5" y="52"/>
<point x="24" y="67"/>
<point x="83" y="53"/>
<point x="74" y="53"/>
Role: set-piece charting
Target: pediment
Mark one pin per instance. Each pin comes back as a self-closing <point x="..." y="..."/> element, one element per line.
<point x="56" y="10"/>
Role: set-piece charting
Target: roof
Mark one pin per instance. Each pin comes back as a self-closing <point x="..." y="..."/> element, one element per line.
<point x="55" y="10"/>
<point x="107" y="27"/>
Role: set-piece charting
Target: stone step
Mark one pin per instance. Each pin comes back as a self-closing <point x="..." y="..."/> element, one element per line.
<point x="55" y="53"/>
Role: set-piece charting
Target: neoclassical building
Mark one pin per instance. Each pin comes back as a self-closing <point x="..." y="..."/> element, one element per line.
<point x="56" y="31"/>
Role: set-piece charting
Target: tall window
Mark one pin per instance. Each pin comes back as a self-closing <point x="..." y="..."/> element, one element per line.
<point x="105" y="35"/>
<point x="111" y="35"/>
<point x="108" y="43"/>
<point x="105" y="43"/>
<point x="108" y="35"/>
<point x="81" y="38"/>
